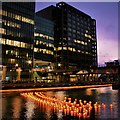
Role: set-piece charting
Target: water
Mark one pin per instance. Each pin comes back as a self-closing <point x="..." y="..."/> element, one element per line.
<point x="16" y="106"/>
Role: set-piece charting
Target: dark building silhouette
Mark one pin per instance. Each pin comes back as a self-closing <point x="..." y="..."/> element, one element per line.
<point x="17" y="35"/>
<point x="114" y="63"/>
<point x="75" y="39"/>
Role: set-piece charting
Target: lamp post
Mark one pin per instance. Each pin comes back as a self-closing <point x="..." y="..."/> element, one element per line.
<point x="29" y="63"/>
<point x="18" y="70"/>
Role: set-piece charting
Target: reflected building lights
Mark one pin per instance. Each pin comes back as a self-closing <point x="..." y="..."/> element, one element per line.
<point x="60" y="95"/>
<point x="16" y="107"/>
<point x="88" y="92"/>
<point x="30" y="106"/>
<point x="48" y="113"/>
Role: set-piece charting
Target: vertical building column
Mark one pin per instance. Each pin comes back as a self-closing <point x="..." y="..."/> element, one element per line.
<point x="18" y="73"/>
<point x="4" y="73"/>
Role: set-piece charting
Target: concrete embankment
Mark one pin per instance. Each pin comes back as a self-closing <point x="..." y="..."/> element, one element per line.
<point x="53" y="88"/>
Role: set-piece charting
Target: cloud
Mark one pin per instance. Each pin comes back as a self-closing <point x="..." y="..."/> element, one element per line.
<point x="107" y="51"/>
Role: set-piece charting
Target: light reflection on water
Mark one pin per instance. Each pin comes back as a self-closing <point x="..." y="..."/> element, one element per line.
<point x="107" y="95"/>
<point x="15" y="106"/>
<point x="30" y="106"/>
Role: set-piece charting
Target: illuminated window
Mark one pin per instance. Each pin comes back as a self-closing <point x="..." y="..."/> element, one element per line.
<point x="2" y="41"/>
<point x="51" y="38"/>
<point x="88" y="36"/>
<point x="59" y="48"/>
<point x="36" y="34"/>
<point x="2" y="31"/>
<point x="37" y="42"/>
<point x="74" y="49"/>
<point x="6" y="51"/>
<point x="27" y="20"/>
<point x="4" y="13"/>
<point x="55" y="48"/>
<point x="50" y="45"/>
<point x="85" y="43"/>
<point x="69" y="48"/>
<point x="41" y="35"/>
<point x="64" y="48"/>
<point x="17" y="17"/>
<point x="11" y="51"/>
<point x="82" y="42"/>
<point x="52" y="53"/>
<point x="22" y="44"/>
<point x="11" y="24"/>
<point x="16" y="53"/>
<point x="12" y="60"/>
<point x="64" y="38"/>
<point x="46" y="37"/>
<point x="82" y="51"/>
<point x="35" y="49"/>
<point x="17" y="43"/>
<point x="44" y="51"/>
<point x="8" y="42"/>
<point x="86" y="52"/>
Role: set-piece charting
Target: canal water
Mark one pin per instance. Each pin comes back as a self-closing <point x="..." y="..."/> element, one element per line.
<point x="15" y="106"/>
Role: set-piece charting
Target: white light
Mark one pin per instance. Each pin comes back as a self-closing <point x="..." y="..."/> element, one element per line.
<point x="29" y="61"/>
<point x="16" y="65"/>
<point x="59" y="64"/>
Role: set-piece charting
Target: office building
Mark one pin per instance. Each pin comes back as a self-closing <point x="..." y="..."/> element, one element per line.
<point x="77" y="45"/>
<point x="17" y="36"/>
<point x="44" y="41"/>
<point x="75" y="39"/>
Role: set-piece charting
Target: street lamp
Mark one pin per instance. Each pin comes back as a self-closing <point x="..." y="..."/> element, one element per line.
<point x="29" y="62"/>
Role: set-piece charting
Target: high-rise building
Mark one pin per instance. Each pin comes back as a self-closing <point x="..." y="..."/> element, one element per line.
<point x="77" y="46"/>
<point x="75" y="39"/>
<point x="44" y="40"/>
<point x="17" y="36"/>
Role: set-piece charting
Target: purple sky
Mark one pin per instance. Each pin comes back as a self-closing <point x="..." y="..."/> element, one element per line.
<point x="106" y="15"/>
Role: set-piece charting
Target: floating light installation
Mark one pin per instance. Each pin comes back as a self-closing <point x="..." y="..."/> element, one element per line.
<point x="76" y="108"/>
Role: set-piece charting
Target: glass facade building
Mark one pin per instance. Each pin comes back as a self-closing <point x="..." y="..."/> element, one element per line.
<point x="75" y="39"/>
<point x="44" y="39"/>
<point x="17" y="35"/>
<point x="77" y="46"/>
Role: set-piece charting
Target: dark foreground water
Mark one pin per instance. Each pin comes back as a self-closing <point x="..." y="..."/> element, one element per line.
<point x="15" y="106"/>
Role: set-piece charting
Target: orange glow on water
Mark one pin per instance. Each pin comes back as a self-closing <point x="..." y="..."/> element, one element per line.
<point x="76" y="108"/>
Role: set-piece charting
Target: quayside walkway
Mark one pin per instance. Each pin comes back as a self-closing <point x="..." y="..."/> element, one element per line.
<point x="53" y="88"/>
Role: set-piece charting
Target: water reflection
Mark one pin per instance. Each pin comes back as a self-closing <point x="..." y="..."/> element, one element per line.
<point x="30" y="106"/>
<point x="48" y="113"/>
<point x="16" y="107"/>
<point x="60" y="95"/>
<point x="108" y="96"/>
<point x="107" y="106"/>
<point x="4" y="106"/>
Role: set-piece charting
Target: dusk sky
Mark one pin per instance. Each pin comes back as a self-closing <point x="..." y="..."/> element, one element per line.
<point x="106" y="15"/>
